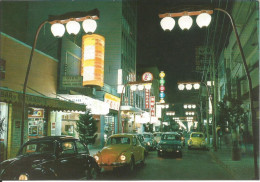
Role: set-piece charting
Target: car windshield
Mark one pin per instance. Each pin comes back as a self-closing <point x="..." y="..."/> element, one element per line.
<point x="170" y="137"/>
<point x="197" y="135"/>
<point x="118" y="140"/>
<point x="38" y="148"/>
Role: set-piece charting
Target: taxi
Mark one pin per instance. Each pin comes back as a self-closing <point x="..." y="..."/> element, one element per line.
<point x="197" y="140"/>
<point x="121" y="150"/>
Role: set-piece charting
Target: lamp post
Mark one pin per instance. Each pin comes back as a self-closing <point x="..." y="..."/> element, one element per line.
<point x="71" y="20"/>
<point x="203" y="20"/>
<point x="140" y="85"/>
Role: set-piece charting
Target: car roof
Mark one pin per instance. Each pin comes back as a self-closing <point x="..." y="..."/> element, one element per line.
<point x="52" y="138"/>
<point x="171" y="133"/>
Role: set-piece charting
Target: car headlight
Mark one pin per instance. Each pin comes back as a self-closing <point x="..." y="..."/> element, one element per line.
<point x="148" y="143"/>
<point x="23" y="177"/>
<point x="122" y="157"/>
<point x="96" y="157"/>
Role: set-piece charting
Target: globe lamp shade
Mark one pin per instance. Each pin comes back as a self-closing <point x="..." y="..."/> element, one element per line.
<point x="162" y="74"/>
<point x="185" y="22"/>
<point x="162" y="88"/>
<point x="57" y="30"/>
<point x="181" y="87"/>
<point x="73" y="27"/>
<point x="133" y="87"/>
<point x="89" y="25"/>
<point x="203" y="20"/>
<point x="188" y="86"/>
<point x="140" y="87"/>
<point x="162" y="95"/>
<point x="162" y="81"/>
<point x="196" y="86"/>
<point x="167" y="23"/>
<point x="148" y="86"/>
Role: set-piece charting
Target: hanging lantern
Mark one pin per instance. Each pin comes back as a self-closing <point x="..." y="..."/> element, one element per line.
<point x="162" y="95"/>
<point x="185" y="22"/>
<point x="162" y="88"/>
<point x="73" y="27"/>
<point x="188" y="86"/>
<point x="203" y="20"/>
<point x="162" y="81"/>
<point x="167" y="23"/>
<point x="162" y="74"/>
<point x="181" y="86"/>
<point x="89" y="25"/>
<point x="57" y="30"/>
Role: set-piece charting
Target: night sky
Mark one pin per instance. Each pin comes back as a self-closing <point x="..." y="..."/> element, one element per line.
<point x="173" y="52"/>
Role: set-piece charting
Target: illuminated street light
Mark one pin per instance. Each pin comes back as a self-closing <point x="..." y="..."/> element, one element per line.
<point x="206" y="21"/>
<point x="188" y="85"/>
<point x="185" y="22"/>
<point x="57" y="28"/>
<point x="167" y="23"/>
<point x="203" y="20"/>
<point x="181" y="87"/>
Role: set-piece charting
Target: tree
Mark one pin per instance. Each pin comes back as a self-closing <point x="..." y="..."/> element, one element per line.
<point x="87" y="128"/>
<point x="232" y="112"/>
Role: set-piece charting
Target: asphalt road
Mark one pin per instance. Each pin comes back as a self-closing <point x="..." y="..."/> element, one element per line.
<point x="194" y="165"/>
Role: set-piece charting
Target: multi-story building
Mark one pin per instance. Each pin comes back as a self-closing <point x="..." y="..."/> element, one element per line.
<point x="117" y="24"/>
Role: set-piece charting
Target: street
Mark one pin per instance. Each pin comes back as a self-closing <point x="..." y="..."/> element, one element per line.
<point x="195" y="165"/>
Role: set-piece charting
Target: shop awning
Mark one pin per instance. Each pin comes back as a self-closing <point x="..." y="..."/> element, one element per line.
<point x="11" y="96"/>
<point x="131" y="109"/>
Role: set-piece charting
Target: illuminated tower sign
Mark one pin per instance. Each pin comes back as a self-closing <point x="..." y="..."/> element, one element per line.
<point x="162" y="87"/>
<point x="92" y="63"/>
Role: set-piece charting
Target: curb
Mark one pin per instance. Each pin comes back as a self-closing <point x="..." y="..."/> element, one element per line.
<point x="230" y="171"/>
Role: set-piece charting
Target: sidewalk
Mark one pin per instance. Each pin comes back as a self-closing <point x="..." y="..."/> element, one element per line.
<point x="240" y="170"/>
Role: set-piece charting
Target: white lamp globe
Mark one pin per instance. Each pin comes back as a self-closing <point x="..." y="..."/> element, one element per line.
<point x="73" y="27"/>
<point x="193" y="106"/>
<point x="133" y="87"/>
<point x="140" y="87"/>
<point x="148" y="86"/>
<point x="196" y="86"/>
<point x="89" y="25"/>
<point x="185" y="22"/>
<point x="181" y="87"/>
<point x="203" y="20"/>
<point x="188" y="86"/>
<point x="167" y="23"/>
<point x="185" y="106"/>
<point x="57" y="30"/>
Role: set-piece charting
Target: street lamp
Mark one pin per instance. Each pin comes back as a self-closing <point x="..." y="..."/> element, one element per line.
<point x="188" y="85"/>
<point x="140" y="85"/>
<point x="203" y="20"/>
<point x="57" y="22"/>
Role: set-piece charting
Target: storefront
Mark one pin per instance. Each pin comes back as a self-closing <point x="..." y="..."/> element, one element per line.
<point x="40" y="121"/>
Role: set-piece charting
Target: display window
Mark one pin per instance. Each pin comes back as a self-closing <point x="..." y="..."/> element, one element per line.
<point x="109" y="126"/>
<point x="3" y="130"/>
<point x="37" y="124"/>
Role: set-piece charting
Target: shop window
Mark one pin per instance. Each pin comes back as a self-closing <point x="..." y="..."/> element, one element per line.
<point x="69" y="129"/>
<point x="37" y="125"/>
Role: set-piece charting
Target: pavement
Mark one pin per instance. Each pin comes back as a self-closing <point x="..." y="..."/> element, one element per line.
<point x="242" y="169"/>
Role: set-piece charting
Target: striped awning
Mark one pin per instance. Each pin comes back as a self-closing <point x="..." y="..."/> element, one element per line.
<point x="11" y="96"/>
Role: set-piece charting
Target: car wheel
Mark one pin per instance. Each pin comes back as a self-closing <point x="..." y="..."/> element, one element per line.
<point x="131" y="165"/>
<point x="159" y="154"/>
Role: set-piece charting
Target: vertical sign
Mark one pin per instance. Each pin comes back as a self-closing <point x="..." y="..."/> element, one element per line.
<point x="147" y="98"/>
<point x="92" y="62"/>
<point x="152" y="105"/>
<point x="162" y="88"/>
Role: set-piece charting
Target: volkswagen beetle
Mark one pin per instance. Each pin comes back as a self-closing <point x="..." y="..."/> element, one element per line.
<point x="121" y="150"/>
<point x="197" y="140"/>
<point x="51" y="158"/>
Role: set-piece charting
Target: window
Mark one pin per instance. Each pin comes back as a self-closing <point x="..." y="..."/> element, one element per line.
<point x="118" y="140"/>
<point x="134" y="141"/>
<point x="37" y="148"/>
<point x="68" y="148"/>
<point x="81" y="148"/>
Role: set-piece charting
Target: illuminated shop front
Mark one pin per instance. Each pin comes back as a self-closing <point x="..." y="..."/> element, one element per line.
<point x="3" y="129"/>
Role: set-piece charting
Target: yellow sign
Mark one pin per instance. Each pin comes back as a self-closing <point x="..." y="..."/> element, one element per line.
<point x="113" y="101"/>
<point x="92" y="62"/>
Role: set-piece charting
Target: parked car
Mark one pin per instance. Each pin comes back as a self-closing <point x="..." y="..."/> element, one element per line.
<point x="157" y="136"/>
<point x="170" y="144"/>
<point x="149" y="138"/>
<point x="143" y="143"/>
<point x="121" y="150"/>
<point x="197" y="140"/>
<point x="51" y="158"/>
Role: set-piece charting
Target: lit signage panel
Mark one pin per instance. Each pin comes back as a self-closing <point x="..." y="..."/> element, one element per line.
<point x="92" y="62"/>
<point x="152" y="105"/>
<point x="113" y="101"/>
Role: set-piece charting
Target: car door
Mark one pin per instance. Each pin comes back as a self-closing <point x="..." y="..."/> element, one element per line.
<point x="81" y="158"/>
<point x="66" y="161"/>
